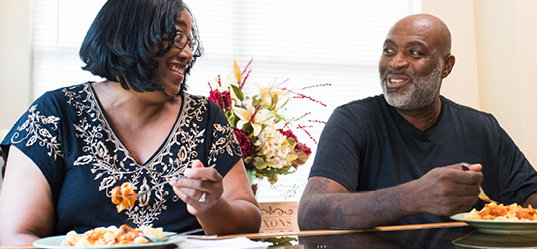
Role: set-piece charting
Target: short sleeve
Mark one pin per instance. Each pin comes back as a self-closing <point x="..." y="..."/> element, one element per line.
<point x="224" y="150"/>
<point x="520" y="180"/>
<point x="37" y="134"/>
<point x="337" y="156"/>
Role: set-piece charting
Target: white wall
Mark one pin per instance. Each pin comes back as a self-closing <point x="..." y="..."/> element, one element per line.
<point x="14" y="60"/>
<point x="493" y="42"/>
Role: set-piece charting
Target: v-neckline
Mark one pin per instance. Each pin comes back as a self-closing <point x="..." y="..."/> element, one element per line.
<point x="116" y="138"/>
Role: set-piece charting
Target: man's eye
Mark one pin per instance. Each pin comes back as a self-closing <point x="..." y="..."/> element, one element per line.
<point x="414" y="52"/>
<point x="388" y="51"/>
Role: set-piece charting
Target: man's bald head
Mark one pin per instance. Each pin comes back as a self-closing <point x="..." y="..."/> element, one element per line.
<point x="428" y="26"/>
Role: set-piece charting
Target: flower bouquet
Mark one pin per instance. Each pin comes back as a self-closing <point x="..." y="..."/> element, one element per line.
<point x="269" y="146"/>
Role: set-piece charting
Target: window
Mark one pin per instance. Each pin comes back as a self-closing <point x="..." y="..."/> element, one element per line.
<point x="308" y="42"/>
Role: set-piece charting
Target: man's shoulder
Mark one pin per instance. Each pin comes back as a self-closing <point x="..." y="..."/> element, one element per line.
<point x="462" y="108"/>
<point x="368" y="103"/>
<point x="465" y="112"/>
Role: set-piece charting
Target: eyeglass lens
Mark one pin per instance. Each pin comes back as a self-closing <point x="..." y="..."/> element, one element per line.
<point x="181" y="40"/>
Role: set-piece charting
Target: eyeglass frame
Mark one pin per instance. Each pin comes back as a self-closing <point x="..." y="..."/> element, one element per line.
<point x="188" y="42"/>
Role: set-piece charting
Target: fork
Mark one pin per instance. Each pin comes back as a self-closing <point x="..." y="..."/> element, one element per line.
<point x="170" y="236"/>
<point x="482" y="194"/>
<point x="142" y="193"/>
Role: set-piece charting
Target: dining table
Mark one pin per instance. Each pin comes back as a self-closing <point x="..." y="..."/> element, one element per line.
<point x="432" y="235"/>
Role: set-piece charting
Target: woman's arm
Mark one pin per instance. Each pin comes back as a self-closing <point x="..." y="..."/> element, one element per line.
<point x="229" y="206"/>
<point x="26" y="207"/>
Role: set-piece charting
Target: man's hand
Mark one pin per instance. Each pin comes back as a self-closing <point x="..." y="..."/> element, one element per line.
<point x="448" y="190"/>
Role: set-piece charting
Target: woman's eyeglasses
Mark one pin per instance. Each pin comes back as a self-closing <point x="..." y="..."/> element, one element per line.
<point x="181" y="40"/>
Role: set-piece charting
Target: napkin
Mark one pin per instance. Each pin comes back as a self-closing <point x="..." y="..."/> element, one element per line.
<point x="234" y="243"/>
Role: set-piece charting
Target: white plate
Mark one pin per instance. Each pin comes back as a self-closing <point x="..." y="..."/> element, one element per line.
<point x="499" y="226"/>
<point x="477" y="239"/>
<point x="56" y="241"/>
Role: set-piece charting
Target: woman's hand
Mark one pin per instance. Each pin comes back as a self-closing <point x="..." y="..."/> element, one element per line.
<point x="228" y="207"/>
<point x="200" y="189"/>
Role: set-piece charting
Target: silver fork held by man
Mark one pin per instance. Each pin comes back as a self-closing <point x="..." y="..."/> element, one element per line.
<point x="482" y="194"/>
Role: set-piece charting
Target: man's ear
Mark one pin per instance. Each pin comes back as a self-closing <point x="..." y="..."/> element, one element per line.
<point x="449" y="61"/>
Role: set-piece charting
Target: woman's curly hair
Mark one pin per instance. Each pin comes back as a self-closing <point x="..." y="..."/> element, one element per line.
<point x="126" y="36"/>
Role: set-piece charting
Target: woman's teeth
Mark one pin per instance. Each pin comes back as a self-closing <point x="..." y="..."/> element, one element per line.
<point x="178" y="70"/>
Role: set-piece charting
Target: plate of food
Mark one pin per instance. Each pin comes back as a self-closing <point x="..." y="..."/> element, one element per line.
<point x="112" y="237"/>
<point x="500" y="219"/>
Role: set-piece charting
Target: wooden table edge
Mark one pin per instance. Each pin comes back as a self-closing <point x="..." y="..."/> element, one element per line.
<point x="313" y="232"/>
<point x="330" y="232"/>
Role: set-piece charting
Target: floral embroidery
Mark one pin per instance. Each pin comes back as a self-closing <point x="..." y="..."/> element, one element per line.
<point x="114" y="164"/>
<point x="110" y="162"/>
<point x="36" y="129"/>
<point x="227" y="142"/>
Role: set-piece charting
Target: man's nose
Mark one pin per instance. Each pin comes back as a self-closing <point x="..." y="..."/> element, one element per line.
<point x="398" y="61"/>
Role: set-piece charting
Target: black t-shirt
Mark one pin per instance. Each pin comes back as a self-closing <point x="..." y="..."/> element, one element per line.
<point x="367" y="145"/>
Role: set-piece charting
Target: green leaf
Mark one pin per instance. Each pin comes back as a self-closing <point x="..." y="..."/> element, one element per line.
<point x="238" y="92"/>
<point x="291" y="141"/>
<point x="285" y="103"/>
<point x="273" y="179"/>
<point x="255" y="101"/>
<point x="274" y="101"/>
<point x="282" y="241"/>
<point x="259" y="163"/>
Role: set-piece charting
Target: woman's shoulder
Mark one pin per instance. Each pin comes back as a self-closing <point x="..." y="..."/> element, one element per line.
<point x="73" y="92"/>
<point x="64" y="102"/>
<point x="199" y="101"/>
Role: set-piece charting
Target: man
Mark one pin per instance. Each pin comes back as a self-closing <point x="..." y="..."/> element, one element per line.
<point x="398" y="158"/>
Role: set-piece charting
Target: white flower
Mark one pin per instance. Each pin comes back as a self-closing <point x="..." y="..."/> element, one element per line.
<point x="275" y="148"/>
<point x="245" y="114"/>
<point x="270" y="95"/>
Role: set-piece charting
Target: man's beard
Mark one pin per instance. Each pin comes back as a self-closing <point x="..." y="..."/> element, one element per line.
<point x="421" y="91"/>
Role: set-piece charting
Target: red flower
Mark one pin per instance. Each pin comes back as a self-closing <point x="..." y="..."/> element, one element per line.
<point x="288" y="134"/>
<point x="303" y="147"/>
<point x="247" y="146"/>
<point x="222" y="99"/>
<point x="299" y="146"/>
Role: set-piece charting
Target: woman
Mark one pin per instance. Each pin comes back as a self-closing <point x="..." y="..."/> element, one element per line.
<point x="74" y="145"/>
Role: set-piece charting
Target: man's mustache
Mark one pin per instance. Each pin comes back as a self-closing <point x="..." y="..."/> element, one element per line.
<point x="385" y="75"/>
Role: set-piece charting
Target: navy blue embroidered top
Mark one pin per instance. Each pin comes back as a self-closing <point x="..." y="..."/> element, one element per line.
<point x="66" y="134"/>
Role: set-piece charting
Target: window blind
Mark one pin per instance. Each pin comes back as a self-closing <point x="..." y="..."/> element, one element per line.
<point x="307" y="42"/>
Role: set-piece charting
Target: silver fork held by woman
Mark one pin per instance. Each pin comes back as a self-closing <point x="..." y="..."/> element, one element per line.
<point x="142" y="193"/>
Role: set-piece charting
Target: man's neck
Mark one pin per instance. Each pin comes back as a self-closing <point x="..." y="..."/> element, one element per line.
<point x="423" y="118"/>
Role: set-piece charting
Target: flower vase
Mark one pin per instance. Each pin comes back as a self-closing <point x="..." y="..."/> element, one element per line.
<point x="255" y="182"/>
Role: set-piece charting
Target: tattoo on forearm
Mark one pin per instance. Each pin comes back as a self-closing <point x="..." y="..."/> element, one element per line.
<point x="320" y="186"/>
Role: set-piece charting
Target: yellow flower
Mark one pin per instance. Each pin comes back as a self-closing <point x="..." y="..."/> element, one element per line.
<point x="246" y="113"/>
<point x="237" y="71"/>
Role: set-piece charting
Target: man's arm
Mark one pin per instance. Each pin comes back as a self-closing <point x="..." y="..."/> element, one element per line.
<point x="532" y="199"/>
<point x="325" y="204"/>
